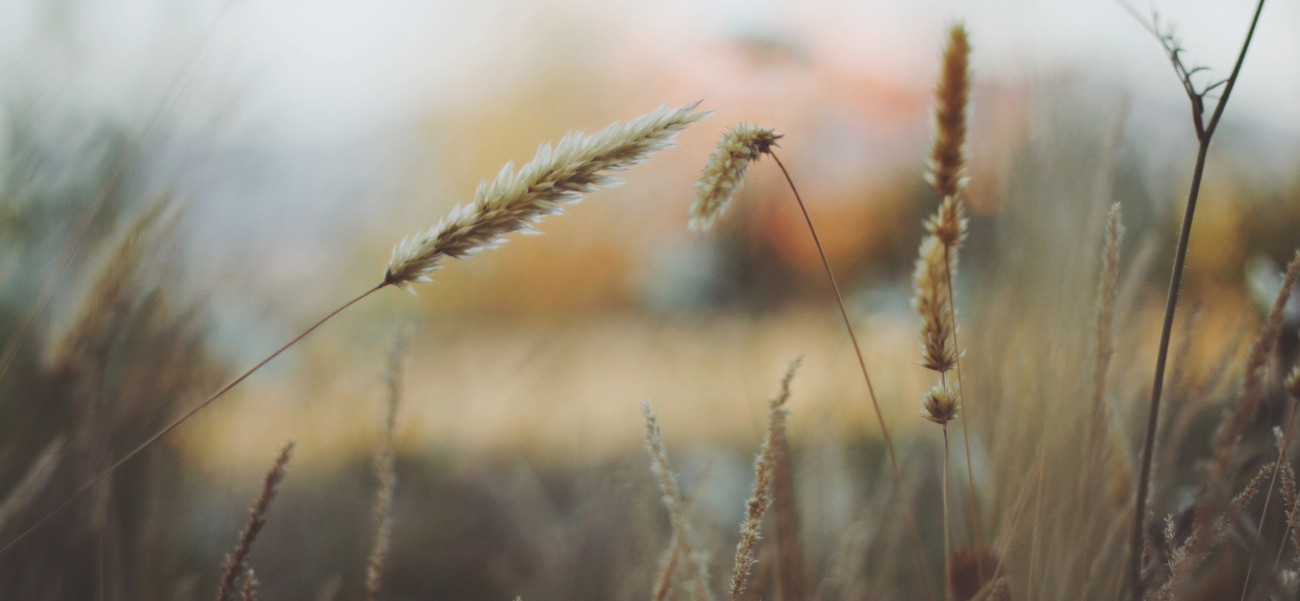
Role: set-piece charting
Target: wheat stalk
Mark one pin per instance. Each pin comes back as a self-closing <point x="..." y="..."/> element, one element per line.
<point x="514" y="201"/>
<point x="511" y="203"/>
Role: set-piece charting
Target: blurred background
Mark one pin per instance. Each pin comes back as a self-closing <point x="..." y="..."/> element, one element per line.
<point x="184" y="187"/>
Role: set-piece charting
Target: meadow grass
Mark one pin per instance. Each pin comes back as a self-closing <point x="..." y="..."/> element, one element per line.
<point x="1051" y="476"/>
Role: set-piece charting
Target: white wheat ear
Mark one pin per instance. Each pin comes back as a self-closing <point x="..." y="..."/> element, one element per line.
<point x="515" y="200"/>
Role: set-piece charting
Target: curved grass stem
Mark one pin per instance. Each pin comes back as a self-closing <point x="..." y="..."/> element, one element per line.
<point x="862" y="364"/>
<point x="176" y="423"/>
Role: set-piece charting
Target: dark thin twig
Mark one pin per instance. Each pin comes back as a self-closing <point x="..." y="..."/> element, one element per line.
<point x="1204" y="135"/>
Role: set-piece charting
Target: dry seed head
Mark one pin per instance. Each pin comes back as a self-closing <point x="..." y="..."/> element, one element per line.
<point x="948" y="156"/>
<point x="514" y="201"/>
<point x="948" y="224"/>
<point x="725" y="172"/>
<point x="940" y="404"/>
<point x="931" y="303"/>
<point x="1293" y="383"/>
<point x="764" y="468"/>
<point x="237" y="561"/>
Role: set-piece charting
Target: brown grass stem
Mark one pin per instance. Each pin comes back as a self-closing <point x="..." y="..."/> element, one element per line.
<point x="1268" y="496"/>
<point x="976" y="532"/>
<point x="862" y="364"/>
<point x="238" y="559"/>
<point x="386" y="472"/>
<point x="1293" y="390"/>
<point x="947" y="524"/>
<point x="176" y="423"/>
<point x="1204" y="134"/>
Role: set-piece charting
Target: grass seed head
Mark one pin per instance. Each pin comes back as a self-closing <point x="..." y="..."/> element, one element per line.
<point x="940" y="404"/>
<point x="725" y="172"/>
<point x="948" y="155"/>
<point x="514" y="201"/>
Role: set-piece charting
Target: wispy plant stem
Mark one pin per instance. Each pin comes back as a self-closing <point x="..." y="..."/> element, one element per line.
<point x="1204" y="134"/>
<point x="965" y="408"/>
<point x="947" y="524"/>
<point x="176" y="423"/>
<point x="862" y="364"/>
<point x="1272" y="483"/>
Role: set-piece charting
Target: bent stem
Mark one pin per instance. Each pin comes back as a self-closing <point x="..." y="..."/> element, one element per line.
<point x="87" y="485"/>
<point x="1204" y="134"/>
<point x="862" y="363"/>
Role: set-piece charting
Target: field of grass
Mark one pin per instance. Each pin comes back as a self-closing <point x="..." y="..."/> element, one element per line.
<point x="942" y="391"/>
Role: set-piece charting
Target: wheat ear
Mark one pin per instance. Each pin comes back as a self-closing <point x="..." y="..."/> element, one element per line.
<point x="514" y="201"/>
<point x="511" y="203"/>
<point x="237" y="561"/>
<point x="1204" y="133"/>
<point x="762" y="495"/>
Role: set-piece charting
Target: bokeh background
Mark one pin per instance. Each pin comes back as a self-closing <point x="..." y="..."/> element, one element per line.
<point x="287" y="146"/>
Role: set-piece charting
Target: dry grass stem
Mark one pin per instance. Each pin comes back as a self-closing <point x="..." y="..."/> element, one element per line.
<point x="680" y="545"/>
<point x="510" y="203"/>
<point x="1282" y="465"/>
<point x="1099" y="434"/>
<point x="514" y="201"/>
<point x="385" y="469"/>
<point x="725" y="171"/>
<point x="237" y="561"/>
<point x="762" y="494"/>
<point x="1252" y="388"/>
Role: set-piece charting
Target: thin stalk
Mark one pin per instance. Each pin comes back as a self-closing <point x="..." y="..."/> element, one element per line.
<point x="1272" y="483"/>
<point x="80" y="490"/>
<point x="947" y="524"/>
<point x="965" y="408"/>
<point x="862" y="363"/>
<point x="1204" y="135"/>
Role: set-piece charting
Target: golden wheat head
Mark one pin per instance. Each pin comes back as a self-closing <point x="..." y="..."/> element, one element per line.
<point x="514" y="201"/>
